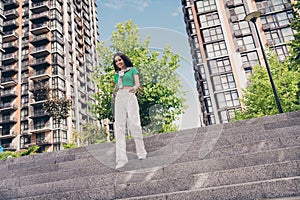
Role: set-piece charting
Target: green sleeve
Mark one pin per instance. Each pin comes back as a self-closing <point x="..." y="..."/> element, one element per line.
<point x="134" y="70"/>
<point x="116" y="77"/>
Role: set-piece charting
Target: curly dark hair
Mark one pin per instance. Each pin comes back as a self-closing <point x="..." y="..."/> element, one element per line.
<point x="126" y="60"/>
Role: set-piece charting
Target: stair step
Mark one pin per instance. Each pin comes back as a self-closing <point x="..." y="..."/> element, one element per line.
<point x="285" y="187"/>
<point x="250" y="159"/>
<point x="192" y="143"/>
<point x="282" y="187"/>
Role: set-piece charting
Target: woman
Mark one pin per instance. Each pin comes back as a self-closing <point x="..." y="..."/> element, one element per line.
<point x="127" y="109"/>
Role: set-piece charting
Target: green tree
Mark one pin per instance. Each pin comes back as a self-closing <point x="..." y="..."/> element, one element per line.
<point x="13" y="154"/>
<point x="258" y="96"/>
<point x="295" y="44"/>
<point x="294" y="58"/>
<point x="160" y="95"/>
<point x="90" y="134"/>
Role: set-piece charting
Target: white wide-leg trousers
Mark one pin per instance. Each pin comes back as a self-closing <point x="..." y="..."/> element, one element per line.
<point x="127" y="116"/>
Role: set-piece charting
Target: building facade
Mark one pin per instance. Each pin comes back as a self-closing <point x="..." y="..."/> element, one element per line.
<point x="225" y="47"/>
<point x="48" y="44"/>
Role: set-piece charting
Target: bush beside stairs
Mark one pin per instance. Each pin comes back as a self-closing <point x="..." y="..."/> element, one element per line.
<point x="250" y="159"/>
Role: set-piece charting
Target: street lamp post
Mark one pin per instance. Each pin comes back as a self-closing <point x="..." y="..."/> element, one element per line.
<point x="252" y="17"/>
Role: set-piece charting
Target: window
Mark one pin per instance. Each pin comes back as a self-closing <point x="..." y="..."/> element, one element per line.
<point x="40" y="137"/>
<point x="24" y="113"/>
<point x="190" y="13"/>
<point x="58" y="83"/>
<point x="270" y="6"/>
<point x="212" y="34"/>
<point x="206" y="5"/>
<point x="24" y="100"/>
<point x="228" y="99"/>
<point x="24" y="126"/>
<point x="57" y="47"/>
<point x="223" y="82"/>
<point x="246" y="42"/>
<point x="216" y="49"/>
<point x="56" y="15"/>
<point x="242" y="26"/>
<point x="208" y="105"/>
<point x="54" y="24"/>
<point x="195" y="44"/>
<point x="198" y="56"/>
<point x="249" y="60"/>
<point x="57" y="70"/>
<point x="282" y="52"/>
<point x="280" y="35"/>
<point x="282" y="19"/>
<point x="209" y="19"/>
<point x="39" y="124"/>
<point x="221" y="65"/>
<point x="238" y="11"/>
<point x="192" y="28"/>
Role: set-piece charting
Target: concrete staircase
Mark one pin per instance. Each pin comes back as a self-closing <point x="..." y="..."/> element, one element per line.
<point x="251" y="159"/>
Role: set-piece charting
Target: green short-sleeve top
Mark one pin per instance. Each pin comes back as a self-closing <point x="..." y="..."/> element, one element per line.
<point x="128" y="78"/>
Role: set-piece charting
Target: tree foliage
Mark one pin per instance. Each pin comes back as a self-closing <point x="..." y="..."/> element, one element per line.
<point x="57" y="107"/>
<point x="295" y="44"/>
<point x="13" y="154"/>
<point x="90" y="134"/>
<point x="258" y="96"/>
<point x="160" y="95"/>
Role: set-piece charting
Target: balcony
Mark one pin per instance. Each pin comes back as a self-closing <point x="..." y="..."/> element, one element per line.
<point x="39" y="75"/>
<point x="43" y="141"/>
<point x="40" y="7"/>
<point x="41" y="28"/>
<point x="11" y="14"/>
<point x="9" y="93"/>
<point x="11" y="134"/>
<point x="10" y="36"/>
<point x="39" y="113"/>
<point x="40" y="51"/>
<point x="8" y="147"/>
<point x="10" y="46"/>
<point x="10" y="24"/>
<point x="39" y="17"/>
<point x="8" y="106"/>
<point x="38" y="86"/>
<point x="41" y="62"/>
<point x="9" y="68"/>
<point x="41" y="128"/>
<point x="8" y="82"/>
<point x="9" y="58"/>
<point x="40" y="39"/>
<point x="8" y="120"/>
<point x="9" y="4"/>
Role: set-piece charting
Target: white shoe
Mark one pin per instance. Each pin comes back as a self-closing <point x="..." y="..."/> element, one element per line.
<point x="121" y="163"/>
<point x="142" y="157"/>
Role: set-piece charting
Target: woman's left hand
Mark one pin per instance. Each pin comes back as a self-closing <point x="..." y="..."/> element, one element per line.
<point x="133" y="89"/>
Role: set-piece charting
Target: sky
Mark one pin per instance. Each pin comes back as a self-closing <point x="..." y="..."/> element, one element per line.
<point x="163" y="22"/>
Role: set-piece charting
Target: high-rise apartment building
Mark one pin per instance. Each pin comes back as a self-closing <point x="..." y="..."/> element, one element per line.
<point x="225" y="47"/>
<point x="46" y="43"/>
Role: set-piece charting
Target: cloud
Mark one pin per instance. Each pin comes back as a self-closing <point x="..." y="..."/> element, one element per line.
<point x="177" y="12"/>
<point x="119" y="4"/>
